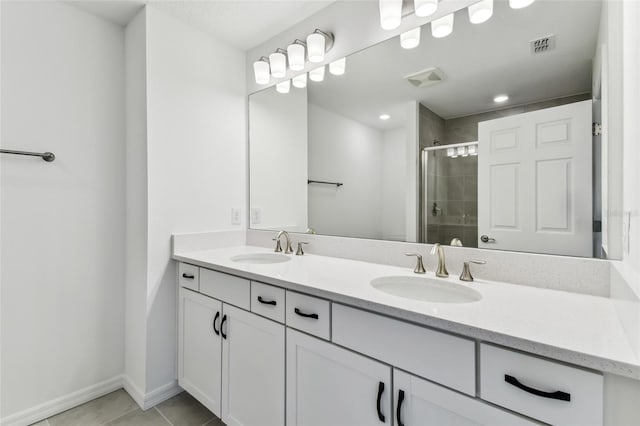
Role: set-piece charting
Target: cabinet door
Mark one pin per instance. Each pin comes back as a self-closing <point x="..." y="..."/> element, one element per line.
<point x="200" y="348"/>
<point x="252" y="370"/>
<point x="419" y="402"/>
<point x="329" y="385"/>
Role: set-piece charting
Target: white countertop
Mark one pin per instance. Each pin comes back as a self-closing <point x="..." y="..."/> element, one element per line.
<point x="575" y="328"/>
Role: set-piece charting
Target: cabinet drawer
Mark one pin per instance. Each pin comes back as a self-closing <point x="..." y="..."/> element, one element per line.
<point x="268" y="301"/>
<point x="188" y="276"/>
<point x="308" y="314"/>
<point x="436" y="356"/>
<point x="545" y="390"/>
<point x="229" y="289"/>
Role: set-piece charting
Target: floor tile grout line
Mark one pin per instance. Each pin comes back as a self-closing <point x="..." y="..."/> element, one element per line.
<point x="120" y="416"/>
<point x="163" y="416"/>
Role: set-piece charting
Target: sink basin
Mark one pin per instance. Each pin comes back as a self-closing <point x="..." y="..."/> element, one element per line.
<point x="261" y="258"/>
<point x="426" y="289"/>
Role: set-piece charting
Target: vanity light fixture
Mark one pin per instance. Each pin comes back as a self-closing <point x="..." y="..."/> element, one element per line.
<point x="520" y="4"/>
<point x="317" y="74"/>
<point x="425" y="7"/>
<point x="278" y="61"/>
<point x="500" y="98"/>
<point x="472" y="149"/>
<point x="300" y="81"/>
<point x="296" y="54"/>
<point x="384" y="116"/>
<point x="261" y="70"/>
<point x="318" y="43"/>
<point x="283" y="86"/>
<point x="390" y="14"/>
<point x="462" y="151"/>
<point x="410" y="39"/>
<point x="451" y="152"/>
<point x="442" y="27"/>
<point x="480" y="12"/>
<point x="338" y="67"/>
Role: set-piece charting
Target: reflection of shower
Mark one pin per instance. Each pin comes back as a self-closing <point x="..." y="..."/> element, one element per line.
<point x="448" y="197"/>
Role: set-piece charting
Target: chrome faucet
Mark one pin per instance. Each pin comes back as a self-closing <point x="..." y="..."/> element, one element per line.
<point x="442" y="267"/>
<point x="278" y="249"/>
<point x="419" y="269"/>
<point x="466" y="271"/>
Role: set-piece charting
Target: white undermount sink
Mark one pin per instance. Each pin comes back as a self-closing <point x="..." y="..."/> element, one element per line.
<point x="426" y="289"/>
<point x="261" y="258"/>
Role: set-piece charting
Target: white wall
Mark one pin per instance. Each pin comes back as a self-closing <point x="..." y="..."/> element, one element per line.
<point x="278" y="159"/>
<point x="62" y="223"/>
<point x="196" y="173"/>
<point x="344" y="150"/>
<point x="394" y="170"/>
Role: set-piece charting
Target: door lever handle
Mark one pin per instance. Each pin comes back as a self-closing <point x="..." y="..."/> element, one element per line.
<point x="487" y="239"/>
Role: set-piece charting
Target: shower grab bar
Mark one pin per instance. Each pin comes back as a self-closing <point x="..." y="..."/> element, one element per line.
<point x="338" y="184"/>
<point x="46" y="156"/>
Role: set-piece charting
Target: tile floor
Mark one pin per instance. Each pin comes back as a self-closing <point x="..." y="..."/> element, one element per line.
<point x="118" y="409"/>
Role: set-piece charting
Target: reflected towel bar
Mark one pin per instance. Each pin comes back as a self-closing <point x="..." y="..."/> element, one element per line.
<point x="337" y="184"/>
<point x="46" y="156"/>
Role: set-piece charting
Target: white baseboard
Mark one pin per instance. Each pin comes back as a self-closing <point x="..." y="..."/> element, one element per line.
<point x="63" y="403"/>
<point x="66" y="402"/>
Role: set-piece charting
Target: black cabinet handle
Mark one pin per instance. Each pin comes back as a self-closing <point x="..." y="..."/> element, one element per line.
<point x="380" y="391"/>
<point x="266" y="302"/>
<point x="399" y="407"/>
<point x="562" y="396"/>
<point x="188" y="276"/>
<point x="302" y="314"/>
<point x="224" y="319"/>
<point x="214" y="323"/>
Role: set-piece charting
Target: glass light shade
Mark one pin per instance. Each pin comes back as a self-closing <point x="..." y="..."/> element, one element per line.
<point x="410" y="39"/>
<point x="462" y="150"/>
<point x="317" y="74"/>
<point x="300" y="81"/>
<point x="451" y="152"/>
<point x="295" y="52"/>
<point x="315" y="47"/>
<point x="473" y="149"/>
<point x="283" y="86"/>
<point x="442" y="27"/>
<point x="480" y="12"/>
<point x="261" y="71"/>
<point x="390" y="14"/>
<point x="278" y="63"/>
<point x="425" y="7"/>
<point x="519" y="4"/>
<point x="338" y="67"/>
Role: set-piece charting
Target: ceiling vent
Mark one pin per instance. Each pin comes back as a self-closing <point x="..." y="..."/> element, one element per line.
<point x="427" y="77"/>
<point x="543" y="44"/>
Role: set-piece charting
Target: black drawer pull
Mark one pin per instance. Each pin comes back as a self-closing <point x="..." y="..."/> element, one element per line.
<point x="380" y="391"/>
<point x="188" y="276"/>
<point x="302" y="314"/>
<point x="399" y="408"/>
<point x="224" y="319"/>
<point x="266" y="302"/>
<point x="562" y="396"/>
<point x="214" y="323"/>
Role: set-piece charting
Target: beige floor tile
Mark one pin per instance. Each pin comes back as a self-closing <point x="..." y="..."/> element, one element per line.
<point x="140" y="418"/>
<point x="185" y="410"/>
<point x="42" y="423"/>
<point x="96" y="412"/>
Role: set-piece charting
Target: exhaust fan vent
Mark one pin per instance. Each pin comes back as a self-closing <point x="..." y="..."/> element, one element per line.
<point x="543" y="44"/>
<point x="427" y="77"/>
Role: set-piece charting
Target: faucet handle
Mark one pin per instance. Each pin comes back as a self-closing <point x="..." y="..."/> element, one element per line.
<point x="300" y="252"/>
<point x="466" y="270"/>
<point x="419" y="269"/>
<point x="278" y="248"/>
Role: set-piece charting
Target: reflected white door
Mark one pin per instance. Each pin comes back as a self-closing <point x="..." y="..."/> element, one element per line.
<point x="535" y="181"/>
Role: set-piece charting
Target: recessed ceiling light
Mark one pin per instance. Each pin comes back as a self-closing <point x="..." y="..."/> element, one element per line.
<point x="501" y="98"/>
<point x="384" y="116"/>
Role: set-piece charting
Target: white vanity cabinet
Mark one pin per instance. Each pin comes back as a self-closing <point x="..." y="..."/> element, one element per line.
<point x="329" y="385"/>
<point x="231" y="360"/>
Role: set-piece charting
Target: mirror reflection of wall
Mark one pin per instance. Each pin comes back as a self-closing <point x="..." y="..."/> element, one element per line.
<point x="394" y="149"/>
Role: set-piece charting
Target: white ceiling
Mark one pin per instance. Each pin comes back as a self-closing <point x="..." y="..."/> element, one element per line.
<point x="480" y="61"/>
<point x="241" y="23"/>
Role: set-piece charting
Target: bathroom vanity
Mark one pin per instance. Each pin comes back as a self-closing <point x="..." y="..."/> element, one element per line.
<point x="269" y="339"/>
